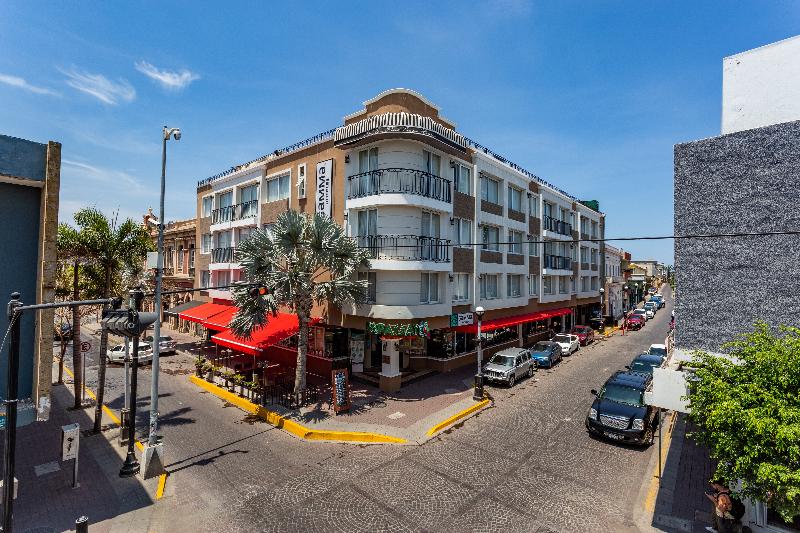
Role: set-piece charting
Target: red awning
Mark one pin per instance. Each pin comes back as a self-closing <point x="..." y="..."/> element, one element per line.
<point x="497" y="323"/>
<point x="222" y="320"/>
<point x="202" y="312"/>
<point x="277" y="329"/>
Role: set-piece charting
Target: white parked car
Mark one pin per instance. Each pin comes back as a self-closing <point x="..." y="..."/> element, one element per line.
<point x="117" y="353"/>
<point x="165" y="344"/>
<point x="641" y="312"/>
<point x="569" y="343"/>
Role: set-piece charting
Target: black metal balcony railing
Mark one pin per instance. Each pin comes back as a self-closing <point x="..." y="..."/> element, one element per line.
<point x="399" y="180"/>
<point x="557" y="262"/>
<point x="406" y="247"/>
<point x="234" y="212"/>
<point x="559" y="226"/>
<point x="223" y="255"/>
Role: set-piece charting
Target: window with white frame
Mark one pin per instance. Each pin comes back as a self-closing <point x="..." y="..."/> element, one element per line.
<point x="462" y="231"/>
<point x="514" y="199"/>
<point x="208" y="206"/>
<point x="429" y="288"/>
<point x="562" y="284"/>
<point x="372" y="279"/>
<point x="244" y="234"/>
<point x="594" y="229"/>
<point x="249" y="199"/>
<point x="533" y="247"/>
<point x="533" y="285"/>
<point x="460" y="287"/>
<point x="514" y="285"/>
<point x="205" y="279"/>
<point x="515" y="242"/>
<point x="490" y="190"/>
<point x="584" y="283"/>
<point x="278" y="188"/>
<point x="462" y="178"/>
<point x="223" y="278"/>
<point x="301" y="181"/>
<point x="491" y="238"/>
<point x="584" y="225"/>
<point x="533" y="205"/>
<point x="594" y="283"/>
<point x="594" y="257"/>
<point x="205" y="243"/>
<point x="191" y="256"/>
<point x="584" y="254"/>
<point x="488" y="284"/>
<point x="548" y="287"/>
<point x="224" y="239"/>
<point x="432" y="162"/>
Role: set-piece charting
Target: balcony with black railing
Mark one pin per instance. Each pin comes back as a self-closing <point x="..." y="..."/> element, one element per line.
<point x="557" y="262"/>
<point x="234" y="212"/>
<point x="223" y="255"/>
<point x="400" y="181"/>
<point x="406" y="247"/>
<point x="558" y="226"/>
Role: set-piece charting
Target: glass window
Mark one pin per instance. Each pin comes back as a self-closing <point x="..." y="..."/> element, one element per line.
<point x="488" y="285"/>
<point x="249" y="193"/>
<point x="514" y="199"/>
<point x="205" y="279"/>
<point x="225" y="199"/>
<point x="245" y="233"/>
<point x="368" y="160"/>
<point x="461" y="287"/>
<point x="490" y="190"/>
<point x="462" y="231"/>
<point x="429" y="288"/>
<point x="533" y="247"/>
<point x="208" y="203"/>
<point x="533" y="205"/>
<point x="584" y="254"/>
<point x="584" y="283"/>
<point x="224" y="239"/>
<point x="491" y="238"/>
<point x="594" y="283"/>
<point x="514" y="285"/>
<point x="191" y="256"/>
<point x="547" y="285"/>
<point x="533" y="285"/>
<point x="562" y="284"/>
<point x="432" y="162"/>
<point x="278" y="188"/>
<point x="515" y="240"/>
<point x="462" y="179"/>
<point x="372" y="279"/>
<point x="205" y="243"/>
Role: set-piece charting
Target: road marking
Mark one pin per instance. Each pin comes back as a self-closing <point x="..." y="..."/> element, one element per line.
<point x="652" y="492"/>
<point x="162" y="482"/>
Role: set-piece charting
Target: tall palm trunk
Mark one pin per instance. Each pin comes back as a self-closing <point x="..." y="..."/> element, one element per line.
<point x="77" y="368"/>
<point x="303" y="318"/>
<point x="63" y="351"/>
<point x="101" y="373"/>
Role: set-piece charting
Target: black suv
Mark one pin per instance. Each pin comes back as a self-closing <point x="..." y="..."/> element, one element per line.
<point x="619" y="412"/>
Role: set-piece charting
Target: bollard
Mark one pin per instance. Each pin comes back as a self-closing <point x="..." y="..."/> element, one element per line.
<point x="82" y="524"/>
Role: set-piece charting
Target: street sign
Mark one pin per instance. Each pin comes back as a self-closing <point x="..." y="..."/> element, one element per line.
<point x="70" y="435"/>
<point x="86" y="346"/>
<point x="461" y="319"/>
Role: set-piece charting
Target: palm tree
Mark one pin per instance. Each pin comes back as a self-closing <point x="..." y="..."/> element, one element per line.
<point x="303" y="260"/>
<point x="72" y="251"/>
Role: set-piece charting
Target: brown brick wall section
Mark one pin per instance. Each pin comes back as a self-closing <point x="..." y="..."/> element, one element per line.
<point x="463" y="260"/>
<point x="516" y="215"/>
<point x="488" y="256"/>
<point x="533" y="186"/>
<point x="534" y="226"/>
<point x="515" y="259"/>
<point x="489" y="207"/>
<point x="534" y="265"/>
<point x="463" y="206"/>
<point x="271" y="210"/>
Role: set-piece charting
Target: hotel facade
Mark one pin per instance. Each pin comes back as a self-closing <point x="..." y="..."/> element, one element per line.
<point x="450" y="226"/>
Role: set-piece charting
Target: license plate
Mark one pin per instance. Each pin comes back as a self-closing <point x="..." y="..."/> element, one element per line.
<point x="614" y="436"/>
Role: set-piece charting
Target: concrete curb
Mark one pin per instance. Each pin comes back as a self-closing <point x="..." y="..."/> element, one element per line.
<point x="458" y="416"/>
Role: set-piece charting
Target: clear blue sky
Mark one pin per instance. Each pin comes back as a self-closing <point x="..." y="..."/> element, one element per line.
<point x="591" y="96"/>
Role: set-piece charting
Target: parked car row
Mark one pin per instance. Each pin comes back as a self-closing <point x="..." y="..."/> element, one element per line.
<point x="618" y="411"/>
<point x="166" y="346"/>
<point x="638" y="317"/>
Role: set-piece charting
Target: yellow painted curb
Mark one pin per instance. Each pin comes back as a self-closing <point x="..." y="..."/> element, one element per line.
<point x="458" y="416"/>
<point x="652" y="492"/>
<point x="91" y="394"/>
<point x="162" y="482"/>
<point x="291" y="426"/>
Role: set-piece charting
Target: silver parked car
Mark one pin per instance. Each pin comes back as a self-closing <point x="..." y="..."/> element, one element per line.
<point x="117" y="353"/>
<point x="166" y="344"/>
<point x="509" y="365"/>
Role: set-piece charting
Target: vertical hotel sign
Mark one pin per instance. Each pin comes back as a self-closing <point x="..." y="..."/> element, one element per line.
<point x="324" y="187"/>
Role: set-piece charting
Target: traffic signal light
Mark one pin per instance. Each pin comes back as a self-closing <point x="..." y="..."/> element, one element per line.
<point x="127" y="323"/>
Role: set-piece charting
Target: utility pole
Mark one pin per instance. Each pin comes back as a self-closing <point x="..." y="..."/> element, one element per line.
<point x="131" y="465"/>
<point x="14" y="319"/>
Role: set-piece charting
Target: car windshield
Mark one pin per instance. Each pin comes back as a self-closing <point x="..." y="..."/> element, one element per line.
<point x="562" y="338"/>
<point x="639" y="312"/>
<point x="622" y="394"/>
<point x="658" y="351"/>
<point x="643" y="366"/>
<point x="502" y="360"/>
<point x="579" y="330"/>
<point x="541" y="347"/>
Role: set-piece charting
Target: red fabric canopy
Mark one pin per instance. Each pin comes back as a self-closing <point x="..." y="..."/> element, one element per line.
<point x="277" y="329"/>
<point x="222" y="320"/>
<point x="497" y="323"/>
<point x="203" y="312"/>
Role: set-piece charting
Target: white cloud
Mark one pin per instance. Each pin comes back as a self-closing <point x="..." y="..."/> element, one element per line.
<point x="97" y="85"/>
<point x="168" y="79"/>
<point x="15" y="81"/>
<point x="111" y="177"/>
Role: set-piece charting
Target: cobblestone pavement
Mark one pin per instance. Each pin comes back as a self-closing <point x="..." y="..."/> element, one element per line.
<point x="526" y="464"/>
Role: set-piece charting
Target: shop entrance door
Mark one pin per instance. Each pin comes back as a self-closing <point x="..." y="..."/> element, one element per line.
<point x="376" y="352"/>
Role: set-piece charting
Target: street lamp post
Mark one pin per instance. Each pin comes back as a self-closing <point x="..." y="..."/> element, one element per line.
<point x="602" y="310"/>
<point x="478" y="393"/>
<point x="153" y="439"/>
<point x="131" y="465"/>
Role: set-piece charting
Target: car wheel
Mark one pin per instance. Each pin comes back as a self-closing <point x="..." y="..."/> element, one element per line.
<point x="530" y="371"/>
<point x="511" y="380"/>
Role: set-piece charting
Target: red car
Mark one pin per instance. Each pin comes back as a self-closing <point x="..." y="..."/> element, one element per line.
<point x="585" y="334"/>
<point x="635" y="322"/>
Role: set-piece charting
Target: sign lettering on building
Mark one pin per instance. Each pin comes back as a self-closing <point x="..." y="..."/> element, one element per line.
<point x="461" y="319"/>
<point x="398" y="330"/>
<point x="324" y="185"/>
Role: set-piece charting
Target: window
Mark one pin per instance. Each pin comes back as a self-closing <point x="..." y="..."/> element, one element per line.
<point x="584" y="283"/>
<point x="432" y="162"/>
<point x="301" y="181"/>
<point x="168" y="259"/>
<point x="515" y="240"/>
<point x="572" y="285"/>
<point x="367" y="227"/>
<point x="429" y="288"/>
<point x="584" y="226"/>
<point x="533" y="248"/>
<point x="594" y="283"/>
<point x="533" y="205"/>
<point x="249" y="200"/>
<point x="514" y="285"/>
<point x="462" y="231"/>
<point x="594" y="229"/>
<point x="223" y="278"/>
<point x="191" y="256"/>
<point x="490" y="190"/>
<point x="594" y="257"/>
<point x="205" y="243"/>
<point x="225" y="199"/>
<point x="547" y="285"/>
<point x="514" y="199"/>
<point x="488" y="286"/>
<point x="584" y="254"/>
<point x="367" y="160"/>
<point x="278" y="188"/>
<point x="244" y="234"/>
<point x="208" y="203"/>
<point x="180" y="258"/>
<point x="205" y="279"/>
<point x="461" y="179"/>
<point x="268" y="228"/>
<point x="562" y="284"/>
<point x="491" y="238"/>
<point x="533" y="285"/>
<point x="372" y="280"/>
<point x="461" y="287"/>
<point x="548" y="209"/>
<point x="224" y="239"/>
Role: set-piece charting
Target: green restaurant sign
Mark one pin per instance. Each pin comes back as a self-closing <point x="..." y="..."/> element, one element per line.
<point x="398" y="330"/>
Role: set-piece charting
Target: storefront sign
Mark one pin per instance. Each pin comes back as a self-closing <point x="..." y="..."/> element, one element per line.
<point x="461" y="319"/>
<point x="324" y="184"/>
<point x="398" y="330"/>
<point x="340" y="389"/>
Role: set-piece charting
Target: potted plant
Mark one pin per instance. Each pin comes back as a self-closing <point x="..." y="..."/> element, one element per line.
<point x="227" y="375"/>
<point x="239" y="380"/>
<point x="199" y="365"/>
<point x="250" y="387"/>
<point x="208" y="368"/>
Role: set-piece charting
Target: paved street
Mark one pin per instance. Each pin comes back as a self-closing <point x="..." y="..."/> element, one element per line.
<point x="526" y="464"/>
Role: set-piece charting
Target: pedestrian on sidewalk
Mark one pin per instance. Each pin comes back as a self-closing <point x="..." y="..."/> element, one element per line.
<point x="723" y="520"/>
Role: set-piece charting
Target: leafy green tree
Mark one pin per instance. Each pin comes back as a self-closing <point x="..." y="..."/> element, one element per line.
<point x="303" y="260"/>
<point x="747" y="408"/>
